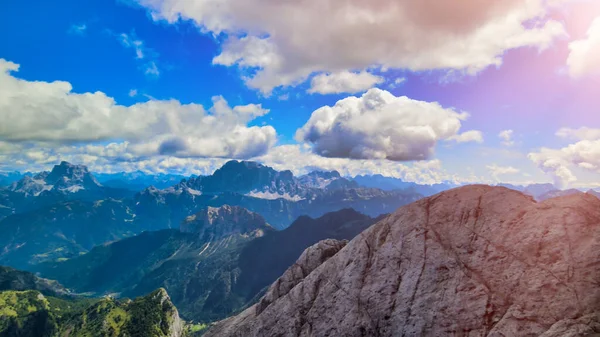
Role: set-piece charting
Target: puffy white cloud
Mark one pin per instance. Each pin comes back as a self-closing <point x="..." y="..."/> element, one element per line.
<point x="379" y="125"/>
<point x="584" y="58"/>
<point x="583" y="133"/>
<point x="283" y="42"/>
<point x="468" y="136"/>
<point x="51" y="112"/>
<point x="344" y="82"/>
<point x="558" y="163"/>
<point x="507" y="137"/>
<point x="496" y="171"/>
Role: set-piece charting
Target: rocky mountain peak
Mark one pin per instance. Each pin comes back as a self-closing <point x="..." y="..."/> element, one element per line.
<point x="66" y="174"/>
<point x="476" y="260"/>
<point x="219" y="222"/>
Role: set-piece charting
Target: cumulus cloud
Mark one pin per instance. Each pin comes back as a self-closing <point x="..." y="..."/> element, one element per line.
<point x="344" y="82"/>
<point x="558" y="163"/>
<point x="469" y="136"/>
<point x="583" y="133"/>
<point x="51" y="112"/>
<point x="507" y="137"/>
<point x="279" y="42"/>
<point x="496" y="171"/>
<point x="584" y="58"/>
<point x="379" y="125"/>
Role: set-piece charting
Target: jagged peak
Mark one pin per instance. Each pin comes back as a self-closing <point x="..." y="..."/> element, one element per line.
<point x="225" y="220"/>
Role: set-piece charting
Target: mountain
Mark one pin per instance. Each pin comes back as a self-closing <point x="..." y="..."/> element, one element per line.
<point x="208" y="273"/>
<point x="10" y="202"/>
<point x="594" y="193"/>
<point x="63" y="213"/>
<point x="262" y="260"/>
<point x="278" y="196"/>
<point x="477" y="260"/>
<point x="65" y="182"/>
<point x="30" y="313"/>
<point x="558" y="193"/>
<point x="138" y="180"/>
<point x="65" y="177"/>
<point x="63" y="230"/>
<point x="537" y="190"/>
<point x="12" y="279"/>
<point x="195" y="264"/>
<point x="389" y="184"/>
<point x="7" y="178"/>
<point x="215" y="223"/>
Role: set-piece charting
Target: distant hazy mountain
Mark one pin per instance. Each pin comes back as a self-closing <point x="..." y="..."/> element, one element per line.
<point x="220" y="263"/>
<point x="65" y="212"/>
<point x="63" y="230"/>
<point x="7" y="178"/>
<point x="557" y="193"/>
<point x="278" y="196"/>
<point x="65" y="182"/>
<point x="594" y="193"/>
<point x="389" y="184"/>
<point x="138" y="180"/>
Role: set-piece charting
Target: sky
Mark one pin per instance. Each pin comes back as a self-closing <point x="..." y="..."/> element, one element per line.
<point x="463" y="91"/>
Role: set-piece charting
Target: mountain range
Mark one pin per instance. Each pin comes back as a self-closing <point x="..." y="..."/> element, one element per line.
<point x="57" y="214"/>
<point x="254" y="251"/>
<point x="218" y="262"/>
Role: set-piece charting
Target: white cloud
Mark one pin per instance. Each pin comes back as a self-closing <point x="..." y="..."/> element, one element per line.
<point x="151" y="69"/>
<point x="468" y="136"/>
<point x="78" y="29"/>
<point x="397" y="82"/>
<point x="507" y="137"/>
<point x="344" y="82"/>
<point x="558" y="163"/>
<point x="145" y="56"/>
<point x="584" y="58"/>
<point x="583" y="133"/>
<point x="280" y="44"/>
<point x="496" y="171"/>
<point x="132" y="42"/>
<point x="301" y="160"/>
<point x="379" y="125"/>
<point x="51" y="112"/>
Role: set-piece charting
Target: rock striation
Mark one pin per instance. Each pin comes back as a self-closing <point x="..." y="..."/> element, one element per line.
<point x="472" y="261"/>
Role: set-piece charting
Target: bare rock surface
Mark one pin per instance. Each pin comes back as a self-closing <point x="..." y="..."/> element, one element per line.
<point x="472" y="261"/>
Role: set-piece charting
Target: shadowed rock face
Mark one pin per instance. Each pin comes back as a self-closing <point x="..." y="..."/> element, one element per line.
<point x="473" y="261"/>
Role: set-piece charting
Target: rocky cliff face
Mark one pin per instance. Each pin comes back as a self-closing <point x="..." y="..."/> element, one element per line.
<point x="213" y="223"/>
<point x="473" y="261"/>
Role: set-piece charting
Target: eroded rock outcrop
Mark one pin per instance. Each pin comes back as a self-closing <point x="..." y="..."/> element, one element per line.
<point x="473" y="261"/>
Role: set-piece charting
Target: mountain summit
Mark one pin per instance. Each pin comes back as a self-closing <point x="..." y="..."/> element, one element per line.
<point x="213" y="223"/>
<point x="65" y="178"/>
<point x="476" y="260"/>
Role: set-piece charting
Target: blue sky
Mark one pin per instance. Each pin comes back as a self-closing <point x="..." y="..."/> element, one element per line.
<point x="158" y="66"/>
